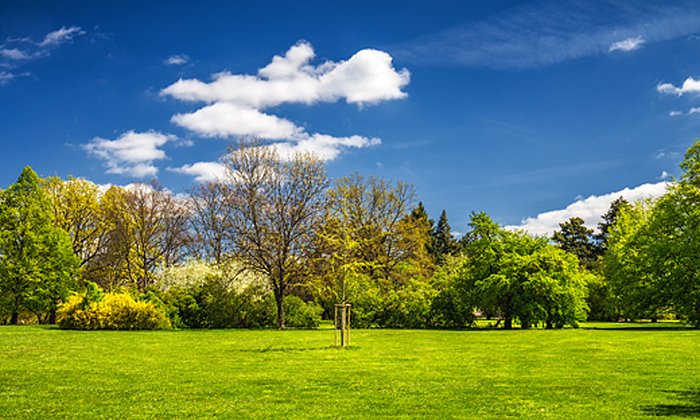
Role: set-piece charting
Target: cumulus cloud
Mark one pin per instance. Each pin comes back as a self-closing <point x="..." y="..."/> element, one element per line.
<point x="629" y="44"/>
<point x="203" y="171"/>
<point x="367" y="77"/>
<point x="589" y="209"/>
<point x="131" y="154"/>
<point x="690" y="85"/>
<point x="227" y="120"/>
<point x="664" y="175"/>
<point x="176" y="60"/>
<point x="235" y="104"/>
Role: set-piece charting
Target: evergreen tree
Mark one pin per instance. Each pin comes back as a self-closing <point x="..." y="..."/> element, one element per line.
<point x="443" y="242"/>
<point x="605" y="226"/>
<point x="576" y="238"/>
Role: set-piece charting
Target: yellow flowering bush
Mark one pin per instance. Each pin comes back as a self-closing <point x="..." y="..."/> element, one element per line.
<point x="113" y="311"/>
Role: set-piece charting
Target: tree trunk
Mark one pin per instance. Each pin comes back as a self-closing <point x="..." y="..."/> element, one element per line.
<point x="14" y="319"/>
<point x="654" y="319"/>
<point x="279" y="297"/>
<point x="508" y="322"/>
<point x="52" y="317"/>
<point x="549" y="324"/>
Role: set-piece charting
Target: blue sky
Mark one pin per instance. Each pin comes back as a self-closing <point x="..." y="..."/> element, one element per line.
<point x="531" y="111"/>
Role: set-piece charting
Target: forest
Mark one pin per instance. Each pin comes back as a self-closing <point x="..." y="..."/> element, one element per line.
<point x="277" y="244"/>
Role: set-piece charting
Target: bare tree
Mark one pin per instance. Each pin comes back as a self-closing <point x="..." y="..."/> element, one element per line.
<point x="276" y="206"/>
<point x="158" y="222"/>
<point x="211" y="220"/>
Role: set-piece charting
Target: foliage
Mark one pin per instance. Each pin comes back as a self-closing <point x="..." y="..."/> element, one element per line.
<point x="576" y="238"/>
<point x="444" y="242"/>
<point x="37" y="264"/>
<point x="512" y="276"/>
<point x="112" y="311"/>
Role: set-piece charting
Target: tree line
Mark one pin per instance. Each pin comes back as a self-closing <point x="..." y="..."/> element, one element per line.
<point x="276" y="243"/>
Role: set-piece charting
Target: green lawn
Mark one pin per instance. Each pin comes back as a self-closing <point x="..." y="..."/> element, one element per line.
<point x="599" y="371"/>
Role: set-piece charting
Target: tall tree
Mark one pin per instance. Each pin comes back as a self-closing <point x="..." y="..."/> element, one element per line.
<point x="76" y="208"/>
<point x="37" y="264"/>
<point x="211" y="220"/>
<point x="576" y="238"/>
<point x="443" y="241"/>
<point x="607" y="222"/>
<point x="276" y="207"/>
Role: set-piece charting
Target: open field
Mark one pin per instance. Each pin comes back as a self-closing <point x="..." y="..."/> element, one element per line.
<point x="599" y="371"/>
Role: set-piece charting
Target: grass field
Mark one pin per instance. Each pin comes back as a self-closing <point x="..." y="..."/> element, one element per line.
<point x="599" y="371"/>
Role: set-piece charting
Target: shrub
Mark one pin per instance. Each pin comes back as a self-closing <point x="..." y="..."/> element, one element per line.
<point x="113" y="311"/>
<point x="300" y="314"/>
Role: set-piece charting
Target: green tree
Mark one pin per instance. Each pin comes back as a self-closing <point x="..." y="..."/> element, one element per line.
<point x="574" y="237"/>
<point x="513" y="276"/>
<point x="630" y="265"/>
<point x="607" y="222"/>
<point x="37" y="263"/>
<point x="443" y="241"/>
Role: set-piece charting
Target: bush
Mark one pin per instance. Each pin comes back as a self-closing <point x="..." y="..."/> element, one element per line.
<point x="300" y="314"/>
<point x="113" y="311"/>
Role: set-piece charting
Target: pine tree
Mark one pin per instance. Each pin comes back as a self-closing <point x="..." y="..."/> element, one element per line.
<point x="443" y="241"/>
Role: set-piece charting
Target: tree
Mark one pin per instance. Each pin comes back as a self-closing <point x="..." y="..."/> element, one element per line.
<point x="443" y="242"/>
<point x="630" y="265"/>
<point x="609" y="219"/>
<point x="158" y="223"/>
<point x="514" y="276"/>
<point x="576" y="238"/>
<point x="211" y="219"/>
<point x="276" y="207"/>
<point x="76" y="209"/>
<point x="37" y="264"/>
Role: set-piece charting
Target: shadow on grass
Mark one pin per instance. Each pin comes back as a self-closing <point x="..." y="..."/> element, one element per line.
<point x="292" y="349"/>
<point x="687" y="404"/>
<point x="641" y="328"/>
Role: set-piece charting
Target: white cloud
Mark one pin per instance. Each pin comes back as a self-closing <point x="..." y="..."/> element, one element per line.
<point x="629" y="44"/>
<point x="690" y="85"/>
<point x="235" y="103"/>
<point x="14" y="54"/>
<point x="203" y="171"/>
<point x="367" y="77"/>
<point x="589" y="209"/>
<point x="539" y="33"/>
<point x="17" y="52"/>
<point x="61" y="36"/>
<point x="325" y="147"/>
<point x="675" y="113"/>
<point x="176" y="60"/>
<point x="227" y="120"/>
<point x="131" y="154"/>
<point x="6" y="77"/>
<point x="664" y="175"/>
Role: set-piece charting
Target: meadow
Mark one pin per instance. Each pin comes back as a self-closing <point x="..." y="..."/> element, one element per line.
<point x="597" y="371"/>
